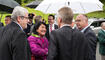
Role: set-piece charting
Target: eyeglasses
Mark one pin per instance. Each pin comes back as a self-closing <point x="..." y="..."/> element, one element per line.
<point x="24" y="17"/>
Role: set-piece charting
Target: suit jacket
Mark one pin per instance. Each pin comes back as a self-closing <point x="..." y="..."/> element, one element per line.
<point x="13" y="43"/>
<point x="47" y="33"/>
<point x="101" y="38"/>
<point x="90" y="35"/>
<point x="67" y="44"/>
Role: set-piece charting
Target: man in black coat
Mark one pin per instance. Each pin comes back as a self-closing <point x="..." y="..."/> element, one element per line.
<point x="13" y="41"/>
<point x="82" y="25"/>
<point x="51" y="26"/>
<point x="67" y="43"/>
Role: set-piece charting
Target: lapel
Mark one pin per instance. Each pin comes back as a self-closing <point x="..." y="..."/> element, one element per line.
<point x="66" y="27"/>
<point x="87" y="29"/>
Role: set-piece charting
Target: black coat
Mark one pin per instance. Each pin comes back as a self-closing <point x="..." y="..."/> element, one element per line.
<point x="47" y="33"/>
<point x="27" y="30"/>
<point x="13" y="43"/>
<point x="67" y="44"/>
<point x="91" y="37"/>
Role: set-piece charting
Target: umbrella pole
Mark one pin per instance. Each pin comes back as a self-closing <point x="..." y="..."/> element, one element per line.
<point x="82" y="7"/>
<point x="48" y="7"/>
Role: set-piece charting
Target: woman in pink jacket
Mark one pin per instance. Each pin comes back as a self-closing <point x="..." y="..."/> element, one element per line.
<point x="38" y="42"/>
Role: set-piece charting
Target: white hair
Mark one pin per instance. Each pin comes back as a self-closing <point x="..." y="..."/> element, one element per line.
<point x="18" y="11"/>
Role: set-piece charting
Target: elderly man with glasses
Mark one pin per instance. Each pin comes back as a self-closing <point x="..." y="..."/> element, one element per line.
<point x="13" y="41"/>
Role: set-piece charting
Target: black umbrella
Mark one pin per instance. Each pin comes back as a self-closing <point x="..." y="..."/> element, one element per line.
<point x="33" y="4"/>
<point x="7" y="5"/>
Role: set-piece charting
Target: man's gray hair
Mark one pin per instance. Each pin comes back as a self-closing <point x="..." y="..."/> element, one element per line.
<point x="66" y="14"/>
<point x="18" y="11"/>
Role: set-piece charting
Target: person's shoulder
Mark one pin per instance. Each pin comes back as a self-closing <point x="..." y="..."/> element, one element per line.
<point x="90" y="31"/>
<point x="56" y="31"/>
<point x="101" y="31"/>
<point x="76" y="31"/>
<point x="31" y="37"/>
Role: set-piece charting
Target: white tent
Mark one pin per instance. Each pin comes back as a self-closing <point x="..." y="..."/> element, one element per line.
<point x="78" y="6"/>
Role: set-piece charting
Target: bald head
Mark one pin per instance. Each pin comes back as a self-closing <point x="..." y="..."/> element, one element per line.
<point x="81" y="21"/>
<point x="83" y="17"/>
<point x="103" y="25"/>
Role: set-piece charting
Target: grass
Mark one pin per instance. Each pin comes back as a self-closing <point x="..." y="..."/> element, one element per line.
<point x="98" y="14"/>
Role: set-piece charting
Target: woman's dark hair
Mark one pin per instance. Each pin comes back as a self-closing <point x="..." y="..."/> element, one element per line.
<point x="36" y="26"/>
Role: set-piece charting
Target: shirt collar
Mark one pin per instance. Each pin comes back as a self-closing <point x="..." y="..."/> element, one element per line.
<point x="65" y="25"/>
<point x="84" y="29"/>
<point x="103" y="30"/>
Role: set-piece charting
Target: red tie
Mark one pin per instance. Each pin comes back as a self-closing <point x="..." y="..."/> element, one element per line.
<point x="50" y="27"/>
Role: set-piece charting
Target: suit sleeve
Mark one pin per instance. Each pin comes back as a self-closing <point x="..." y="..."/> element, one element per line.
<point x="19" y="47"/>
<point x="52" y="50"/>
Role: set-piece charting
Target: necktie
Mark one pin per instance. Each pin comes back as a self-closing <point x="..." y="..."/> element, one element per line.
<point x="50" y="28"/>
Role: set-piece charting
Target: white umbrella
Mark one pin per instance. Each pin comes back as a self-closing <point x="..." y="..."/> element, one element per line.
<point x="78" y="6"/>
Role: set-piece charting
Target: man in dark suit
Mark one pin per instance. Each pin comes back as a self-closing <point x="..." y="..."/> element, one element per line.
<point x="13" y="41"/>
<point x="50" y="26"/>
<point x="65" y="42"/>
<point x="82" y="25"/>
<point x="8" y="19"/>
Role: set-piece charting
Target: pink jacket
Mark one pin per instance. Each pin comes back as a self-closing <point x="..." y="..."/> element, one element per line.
<point x="39" y="47"/>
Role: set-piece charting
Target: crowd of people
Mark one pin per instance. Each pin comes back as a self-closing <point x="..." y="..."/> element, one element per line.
<point x="21" y="39"/>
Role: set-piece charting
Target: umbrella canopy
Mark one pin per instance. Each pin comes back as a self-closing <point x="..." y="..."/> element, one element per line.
<point x="33" y="4"/>
<point x="78" y="6"/>
<point x="8" y="5"/>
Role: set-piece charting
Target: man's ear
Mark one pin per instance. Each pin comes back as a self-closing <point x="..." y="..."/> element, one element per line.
<point x="60" y="20"/>
<point x="18" y="19"/>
